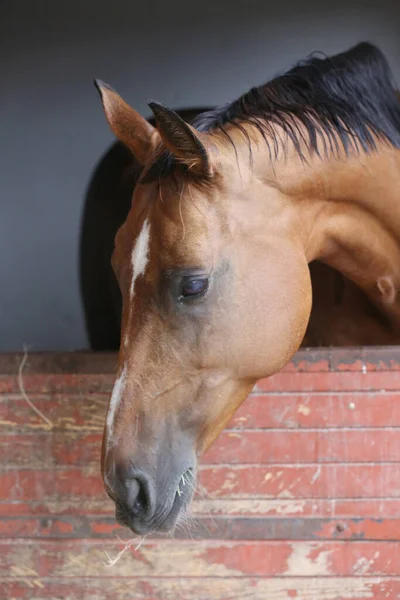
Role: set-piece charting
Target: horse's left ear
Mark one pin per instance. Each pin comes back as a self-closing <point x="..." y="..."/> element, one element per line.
<point x="188" y="145"/>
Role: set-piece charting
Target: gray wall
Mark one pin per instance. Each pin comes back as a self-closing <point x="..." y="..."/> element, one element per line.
<point x="53" y="130"/>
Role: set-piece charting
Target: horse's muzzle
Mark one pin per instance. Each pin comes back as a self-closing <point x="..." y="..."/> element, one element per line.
<point x="146" y="503"/>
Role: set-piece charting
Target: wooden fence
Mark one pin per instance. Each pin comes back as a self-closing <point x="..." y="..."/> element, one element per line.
<point x="300" y="494"/>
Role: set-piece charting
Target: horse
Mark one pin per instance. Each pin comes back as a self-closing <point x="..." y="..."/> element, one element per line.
<point x="213" y="258"/>
<point x="341" y="314"/>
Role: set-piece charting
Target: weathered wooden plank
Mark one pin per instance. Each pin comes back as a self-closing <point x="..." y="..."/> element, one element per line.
<point x="27" y="485"/>
<point x="72" y="412"/>
<point x="200" y="588"/>
<point x="372" y="358"/>
<point x="285" y="381"/>
<point x="318" y="446"/>
<point x="39" y="450"/>
<point x="331" y="381"/>
<point x="346" y="376"/>
<point x="318" y="410"/>
<point x="359" y="508"/>
<point x="377" y="508"/>
<point x="303" y="481"/>
<point x="43" y="450"/>
<point x="62" y="383"/>
<point x="203" y="527"/>
<point x="306" y="359"/>
<point x="166" y="558"/>
<point x="308" y="481"/>
<point x="68" y="412"/>
<point x="236" y="481"/>
<point x="59" y="362"/>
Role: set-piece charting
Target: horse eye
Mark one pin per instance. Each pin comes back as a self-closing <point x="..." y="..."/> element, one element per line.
<point x="193" y="286"/>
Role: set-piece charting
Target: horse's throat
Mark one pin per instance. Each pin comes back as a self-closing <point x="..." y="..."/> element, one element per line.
<point x="358" y="230"/>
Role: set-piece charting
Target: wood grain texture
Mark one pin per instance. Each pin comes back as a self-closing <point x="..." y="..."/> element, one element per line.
<point x="300" y="494"/>
<point x="201" y="588"/>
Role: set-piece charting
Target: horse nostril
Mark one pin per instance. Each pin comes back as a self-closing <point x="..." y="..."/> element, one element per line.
<point x="136" y="496"/>
<point x="132" y="490"/>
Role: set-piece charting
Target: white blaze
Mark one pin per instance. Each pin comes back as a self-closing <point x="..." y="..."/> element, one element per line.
<point x="139" y="261"/>
<point x="140" y="254"/>
<point x="115" y="400"/>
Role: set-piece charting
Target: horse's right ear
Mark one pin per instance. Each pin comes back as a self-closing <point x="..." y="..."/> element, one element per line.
<point x="127" y="124"/>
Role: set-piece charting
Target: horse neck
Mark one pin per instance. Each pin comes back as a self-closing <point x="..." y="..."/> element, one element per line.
<point x="350" y="213"/>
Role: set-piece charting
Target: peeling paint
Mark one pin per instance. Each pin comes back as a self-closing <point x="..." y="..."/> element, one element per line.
<point x="316" y="475"/>
<point x="8" y="423"/>
<point x="248" y="507"/>
<point x="228" y="485"/>
<point x="306" y="560"/>
<point x="20" y="571"/>
<point x="363" y="565"/>
<point x="83" y="428"/>
<point x="146" y="561"/>
<point x="286" y="494"/>
<point x="218" y="588"/>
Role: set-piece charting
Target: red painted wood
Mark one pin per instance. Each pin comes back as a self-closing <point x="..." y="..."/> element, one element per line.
<point x="311" y="410"/>
<point x="340" y="381"/>
<point x="185" y="558"/>
<point x="260" y="411"/>
<point x="300" y="495"/>
<point x="286" y="381"/>
<point x="321" y="446"/>
<point x="208" y="527"/>
<point x="223" y="481"/>
<point x="199" y="588"/>
<point x="39" y="450"/>
<point x="98" y="507"/>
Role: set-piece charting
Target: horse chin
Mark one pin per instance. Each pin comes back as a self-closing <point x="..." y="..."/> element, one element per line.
<point x="167" y="515"/>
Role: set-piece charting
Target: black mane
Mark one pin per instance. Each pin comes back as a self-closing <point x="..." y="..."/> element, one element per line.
<point x="348" y="99"/>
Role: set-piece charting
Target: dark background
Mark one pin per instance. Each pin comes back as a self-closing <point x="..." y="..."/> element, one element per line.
<point x="53" y="130"/>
